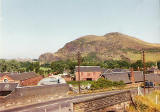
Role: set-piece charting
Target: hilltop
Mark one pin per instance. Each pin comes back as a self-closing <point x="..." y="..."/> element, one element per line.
<point x="113" y="45"/>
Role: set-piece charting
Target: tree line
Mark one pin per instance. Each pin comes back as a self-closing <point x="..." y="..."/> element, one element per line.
<point x="58" y="67"/>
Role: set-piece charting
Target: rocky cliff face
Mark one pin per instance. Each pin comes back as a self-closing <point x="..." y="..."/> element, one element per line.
<point x="114" y="45"/>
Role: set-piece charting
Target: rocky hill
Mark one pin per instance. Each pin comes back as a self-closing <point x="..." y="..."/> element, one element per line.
<point x="114" y="46"/>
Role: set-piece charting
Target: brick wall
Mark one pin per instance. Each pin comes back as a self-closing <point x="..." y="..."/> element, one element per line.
<point x="100" y="103"/>
<point x="85" y="75"/>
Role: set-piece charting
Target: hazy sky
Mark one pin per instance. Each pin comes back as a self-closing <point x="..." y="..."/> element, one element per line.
<point x="29" y="28"/>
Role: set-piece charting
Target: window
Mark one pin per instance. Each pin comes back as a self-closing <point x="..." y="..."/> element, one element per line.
<point x="5" y="80"/>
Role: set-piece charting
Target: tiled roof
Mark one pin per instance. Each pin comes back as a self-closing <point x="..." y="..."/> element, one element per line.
<point x="90" y="69"/>
<point x="22" y="76"/>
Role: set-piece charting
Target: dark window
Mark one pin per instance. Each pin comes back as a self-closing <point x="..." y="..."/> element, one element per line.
<point x="89" y="79"/>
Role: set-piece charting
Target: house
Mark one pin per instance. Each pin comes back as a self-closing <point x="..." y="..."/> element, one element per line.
<point x="23" y="79"/>
<point x="88" y="72"/>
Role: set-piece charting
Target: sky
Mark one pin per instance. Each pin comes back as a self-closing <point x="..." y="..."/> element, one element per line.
<point x="29" y="28"/>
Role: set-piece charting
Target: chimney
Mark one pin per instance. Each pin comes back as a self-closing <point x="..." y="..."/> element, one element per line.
<point x="132" y="76"/>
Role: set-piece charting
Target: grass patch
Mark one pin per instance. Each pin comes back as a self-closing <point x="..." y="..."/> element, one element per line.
<point x="146" y="103"/>
<point x="75" y="83"/>
<point x="101" y="83"/>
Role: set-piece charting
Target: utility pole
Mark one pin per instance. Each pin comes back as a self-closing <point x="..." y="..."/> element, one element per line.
<point x="144" y="71"/>
<point x="79" y="61"/>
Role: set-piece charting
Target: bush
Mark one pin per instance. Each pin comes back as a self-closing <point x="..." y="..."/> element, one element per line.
<point x="102" y="83"/>
<point x="81" y="82"/>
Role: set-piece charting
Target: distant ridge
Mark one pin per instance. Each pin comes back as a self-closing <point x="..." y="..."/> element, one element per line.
<point x="114" y="45"/>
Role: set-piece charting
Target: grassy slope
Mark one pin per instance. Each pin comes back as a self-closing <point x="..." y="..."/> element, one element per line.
<point x="110" y="46"/>
<point x="146" y="103"/>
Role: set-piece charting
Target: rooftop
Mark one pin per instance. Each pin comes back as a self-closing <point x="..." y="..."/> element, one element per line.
<point x="22" y="76"/>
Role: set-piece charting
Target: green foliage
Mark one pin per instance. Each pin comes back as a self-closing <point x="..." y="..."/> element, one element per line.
<point x="115" y="64"/>
<point x="102" y="83"/>
<point x="9" y="66"/>
<point x="137" y="64"/>
<point x="81" y="82"/>
<point x="91" y="60"/>
<point x="58" y="67"/>
<point x="150" y="64"/>
<point x="158" y="64"/>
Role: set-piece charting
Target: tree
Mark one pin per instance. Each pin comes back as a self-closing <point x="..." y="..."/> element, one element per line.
<point x="3" y="66"/>
<point x="70" y="65"/>
<point x="150" y="64"/>
<point x="36" y="66"/>
<point x="137" y="64"/>
<point x="58" y="67"/>
<point x="115" y="64"/>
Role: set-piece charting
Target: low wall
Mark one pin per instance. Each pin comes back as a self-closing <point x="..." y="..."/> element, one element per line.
<point x="34" y="94"/>
<point x="59" y="89"/>
<point x="99" y="103"/>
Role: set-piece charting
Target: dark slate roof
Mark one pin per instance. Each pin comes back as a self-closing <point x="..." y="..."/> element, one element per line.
<point x="123" y="76"/>
<point x="90" y="69"/>
<point x="108" y="71"/>
<point x="138" y="76"/>
<point x="120" y="70"/>
<point x="153" y="77"/>
<point x="8" y="86"/>
<point x="22" y="76"/>
<point x="117" y="76"/>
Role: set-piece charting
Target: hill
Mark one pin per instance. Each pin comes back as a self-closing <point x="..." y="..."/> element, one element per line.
<point x="113" y="45"/>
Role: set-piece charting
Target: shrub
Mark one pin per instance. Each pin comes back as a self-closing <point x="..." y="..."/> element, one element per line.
<point x="102" y="83"/>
